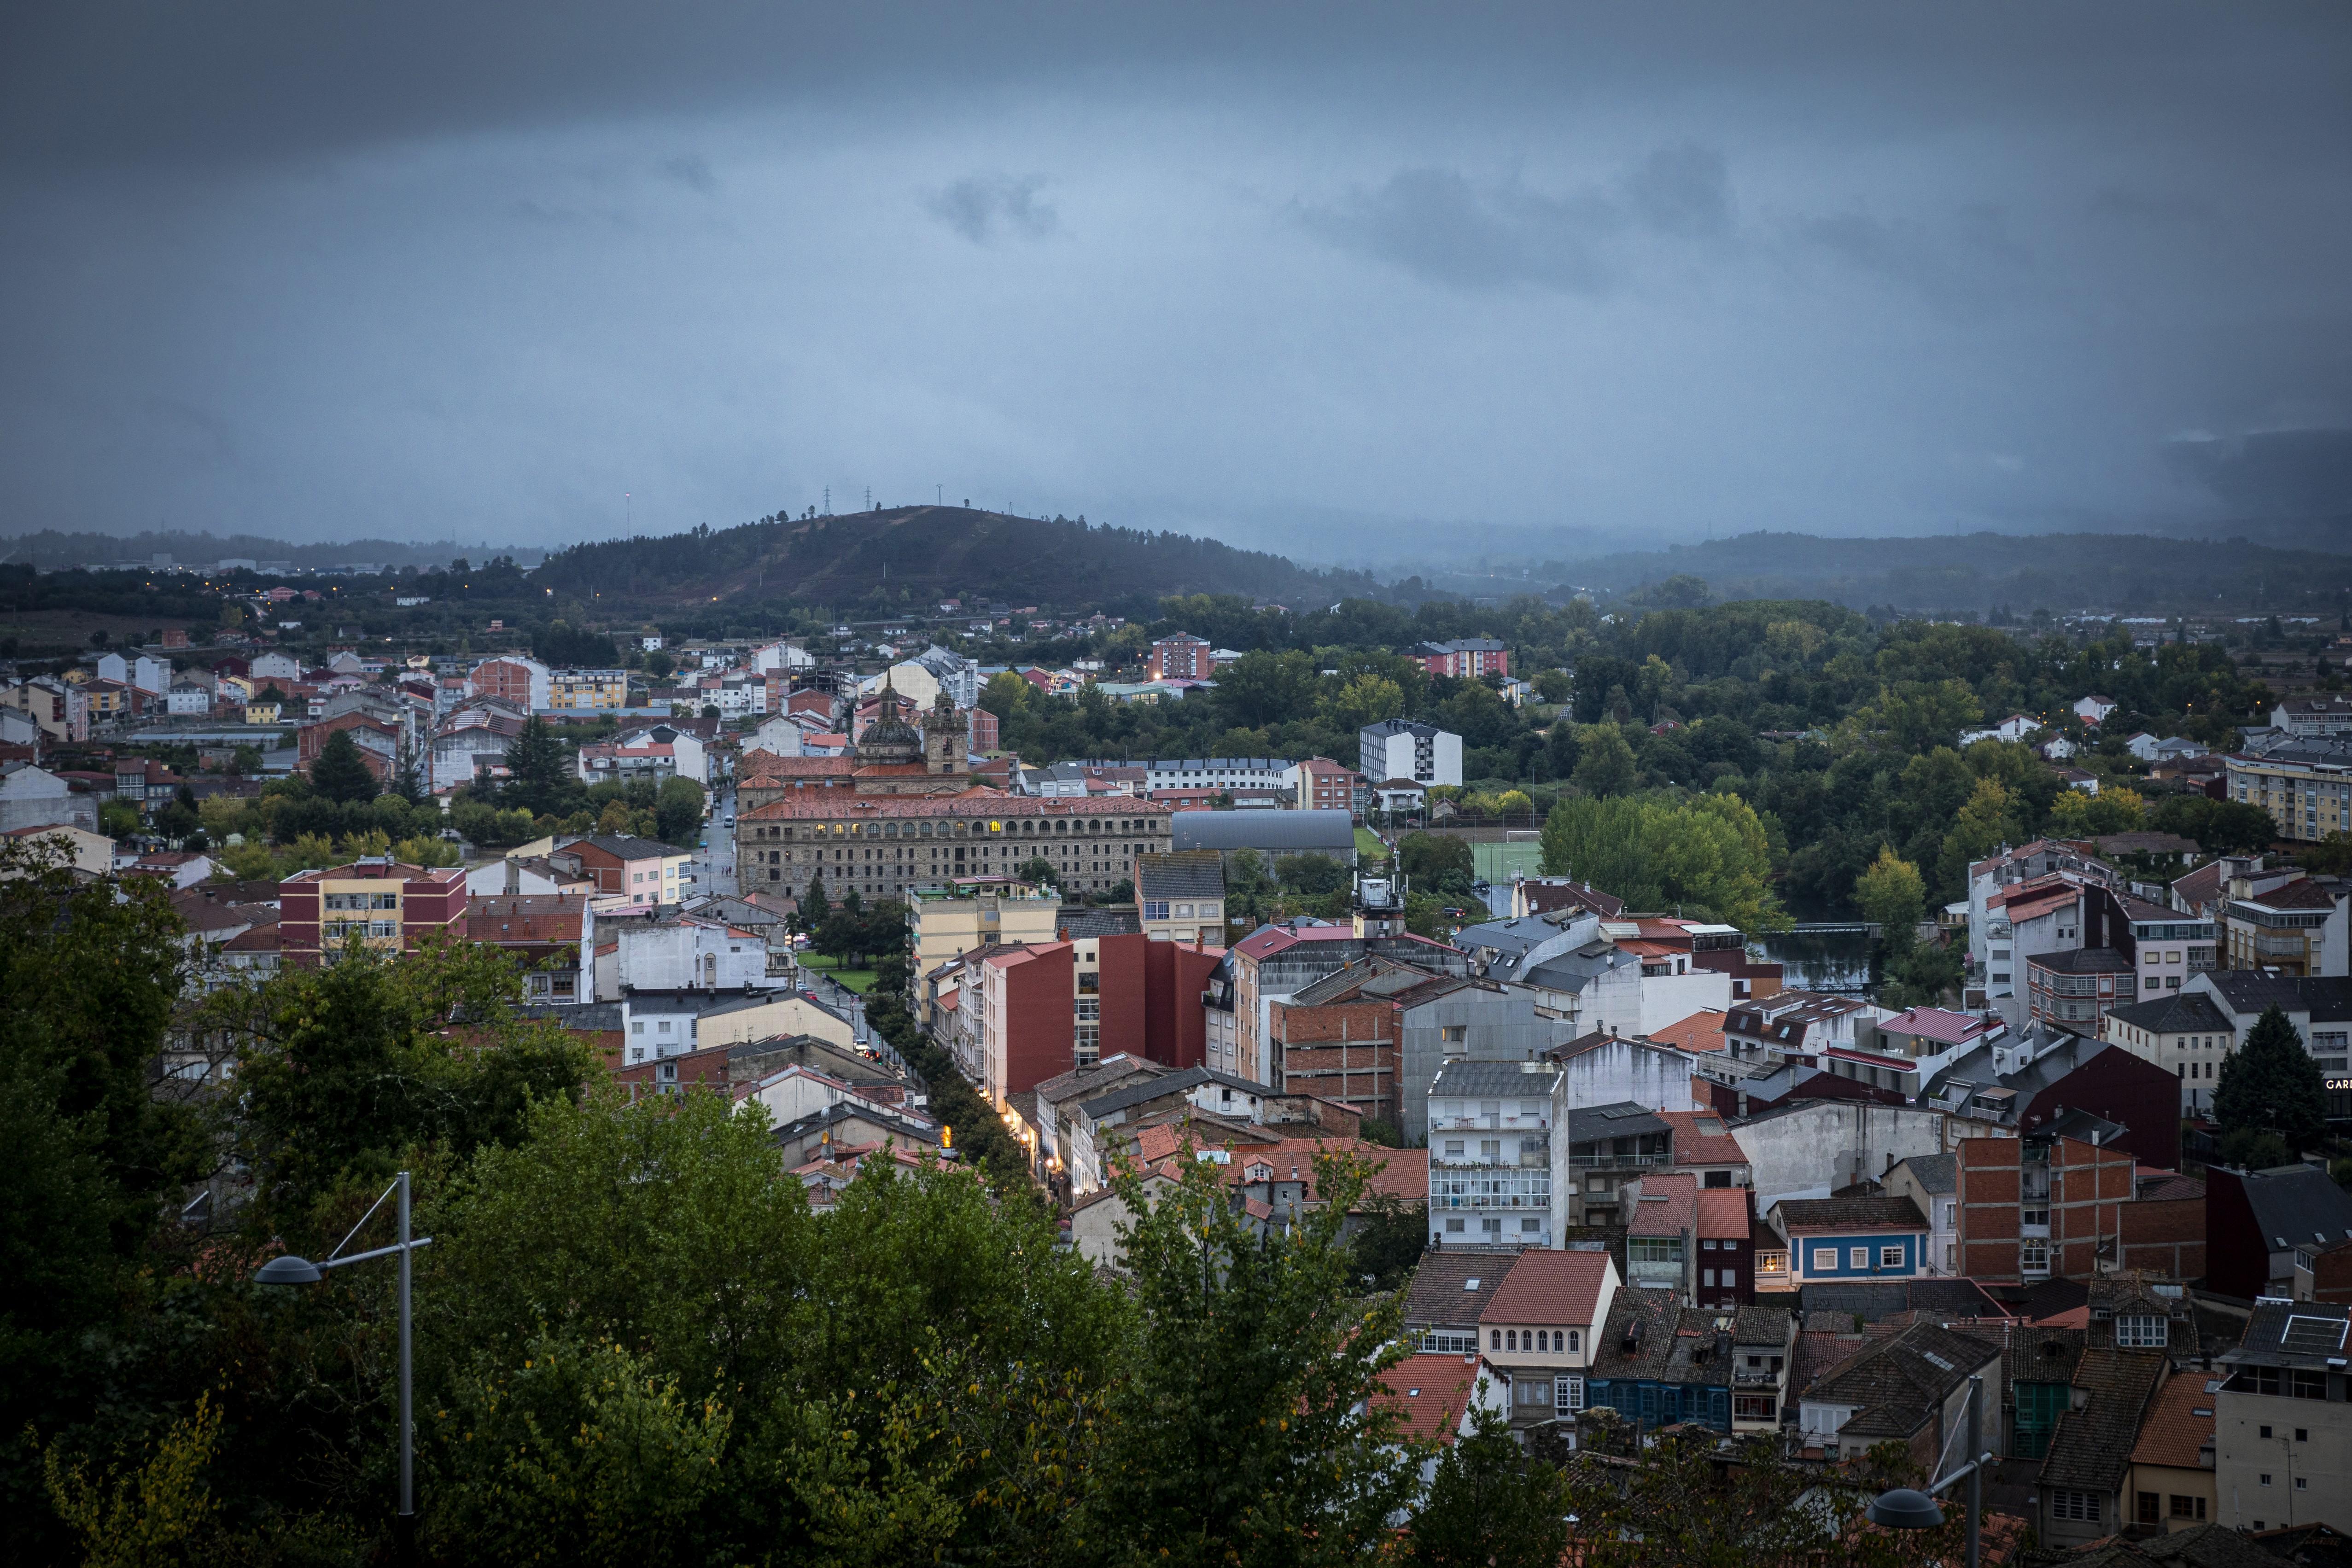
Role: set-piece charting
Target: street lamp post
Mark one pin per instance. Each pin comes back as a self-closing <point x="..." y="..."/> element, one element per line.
<point x="289" y="1269"/>
<point x="1905" y="1509"/>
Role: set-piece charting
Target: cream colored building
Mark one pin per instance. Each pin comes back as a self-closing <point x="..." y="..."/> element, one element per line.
<point x="89" y="852"/>
<point x="943" y="925"/>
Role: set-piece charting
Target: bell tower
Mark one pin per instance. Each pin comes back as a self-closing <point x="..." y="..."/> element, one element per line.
<point x="946" y="736"/>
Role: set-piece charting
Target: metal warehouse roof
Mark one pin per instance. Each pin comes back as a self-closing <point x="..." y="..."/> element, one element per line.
<point x="1331" y="832"/>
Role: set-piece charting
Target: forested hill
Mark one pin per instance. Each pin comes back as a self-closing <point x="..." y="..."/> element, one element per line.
<point x="1984" y="571"/>
<point x="881" y="561"/>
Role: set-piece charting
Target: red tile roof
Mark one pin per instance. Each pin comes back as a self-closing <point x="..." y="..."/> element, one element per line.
<point x="1701" y="1032"/>
<point x="1431" y="1392"/>
<point x="1723" y="1211"/>
<point x="2179" y="1423"/>
<point x="1701" y="1139"/>
<point x="1668" y="1205"/>
<point x="1548" y="1287"/>
<point x="963" y="803"/>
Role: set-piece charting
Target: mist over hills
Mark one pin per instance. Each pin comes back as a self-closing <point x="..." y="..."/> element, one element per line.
<point x="879" y="562"/>
<point x="1986" y="570"/>
<point x="51" y="550"/>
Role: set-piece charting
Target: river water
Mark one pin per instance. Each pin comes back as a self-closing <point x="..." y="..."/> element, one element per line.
<point x="1818" y="961"/>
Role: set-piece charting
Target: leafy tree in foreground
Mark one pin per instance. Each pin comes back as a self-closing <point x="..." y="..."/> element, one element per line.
<point x="1490" y="1505"/>
<point x="346" y="1067"/>
<point x="1249" y="1432"/>
<point x="2272" y="1084"/>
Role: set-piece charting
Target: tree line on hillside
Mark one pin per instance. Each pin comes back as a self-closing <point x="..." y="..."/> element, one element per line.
<point x="1841" y="736"/>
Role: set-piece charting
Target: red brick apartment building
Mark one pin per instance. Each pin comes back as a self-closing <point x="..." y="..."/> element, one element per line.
<point x="1338" y="1038"/>
<point x="1325" y="786"/>
<point x="1054" y="1007"/>
<point x="1468" y="658"/>
<point x="388" y="905"/>
<point x="1183" y="657"/>
<point x="2062" y="1208"/>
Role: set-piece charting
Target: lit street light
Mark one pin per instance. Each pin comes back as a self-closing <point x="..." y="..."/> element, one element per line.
<point x="289" y="1269"/>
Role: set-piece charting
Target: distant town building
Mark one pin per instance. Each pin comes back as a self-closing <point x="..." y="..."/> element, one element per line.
<point x="1470" y="657"/>
<point x="1183" y="657"/>
<point x="1402" y="748"/>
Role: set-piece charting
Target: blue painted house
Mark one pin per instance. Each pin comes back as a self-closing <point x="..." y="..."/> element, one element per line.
<point x="1852" y="1239"/>
<point x="1660" y="1363"/>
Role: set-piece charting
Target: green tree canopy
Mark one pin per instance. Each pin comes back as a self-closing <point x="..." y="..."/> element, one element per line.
<point x="1893" y="897"/>
<point x="341" y="773"/>
<point x="1605" y="765"/>
<point x="2272" y="1084"/>
<point x="1709" y="856"/>
<point x="538" y="771"/>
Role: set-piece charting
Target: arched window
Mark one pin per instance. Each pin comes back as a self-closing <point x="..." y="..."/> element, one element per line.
<point x="1496" y="1343"/>
<point x="1511" y="1339"/>
<point x="1575" y="1340"/>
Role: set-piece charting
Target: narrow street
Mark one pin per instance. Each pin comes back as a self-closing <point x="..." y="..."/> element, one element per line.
<point x="712" y="869"/>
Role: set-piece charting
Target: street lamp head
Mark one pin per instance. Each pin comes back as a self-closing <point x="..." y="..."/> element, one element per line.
<point x="287" y="1271"/>
<point x="1903" y="1508"/>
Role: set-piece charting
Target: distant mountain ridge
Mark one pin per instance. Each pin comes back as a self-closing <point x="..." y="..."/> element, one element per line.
<point x="919" y="555"/>
<point x="51" y="550"/>
<point x="1984" y="571"/>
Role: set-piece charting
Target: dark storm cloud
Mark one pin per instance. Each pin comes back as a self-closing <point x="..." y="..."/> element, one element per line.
<point x="1436" y="224"/>
<point x="980" y="208"/>
<point x="2275" y="473"/>
<point x="1342" y="277"/>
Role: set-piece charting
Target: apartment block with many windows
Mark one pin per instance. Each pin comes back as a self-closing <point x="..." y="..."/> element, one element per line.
<point x="1490" y="1153"/>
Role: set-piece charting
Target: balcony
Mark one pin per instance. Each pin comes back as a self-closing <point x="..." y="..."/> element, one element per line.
<point x="1615" y="1162"/>
<point x="2281" y="946"/>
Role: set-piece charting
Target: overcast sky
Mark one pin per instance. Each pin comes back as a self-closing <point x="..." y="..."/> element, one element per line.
<point x="1332" y="280"/>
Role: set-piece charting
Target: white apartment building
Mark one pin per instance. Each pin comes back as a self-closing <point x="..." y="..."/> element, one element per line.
<point x="1220" y="773"/>
<point x="1490" y="1157"/>
<point x="1402" y="748"/>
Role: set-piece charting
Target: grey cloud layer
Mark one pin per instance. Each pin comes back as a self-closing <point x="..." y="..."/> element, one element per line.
<point x="1436" y="224"/>
<point x="1306" y="277"/>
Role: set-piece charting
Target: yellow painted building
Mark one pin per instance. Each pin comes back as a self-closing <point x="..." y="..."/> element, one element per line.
<point x="588" y="691"/>
<point x="2304" y="782"/>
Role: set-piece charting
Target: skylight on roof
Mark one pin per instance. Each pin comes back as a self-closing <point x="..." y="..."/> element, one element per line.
<point x="1471" y="1284"/>
<point x="2312" y="1336"/>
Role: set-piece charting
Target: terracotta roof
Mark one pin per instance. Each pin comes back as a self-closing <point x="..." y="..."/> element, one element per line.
<point x="1431" y="1392"/>
<point x="2301" y="894"/>
<point x="1722" y="1211"/>
<point x="2179" y="1424"/>
<point x="1700" y="1031"/>
<point x="1815" y="1214"/>
<point x="1935" y="1023"/>
<point x="1667" y="1206"/>
<point x="761" y="765"/>
<point x="1701" y="1139"/>
<point x="963" y="803"/>
<point x="1548" y="1287"/>
<point x="1405" y="1176"/>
